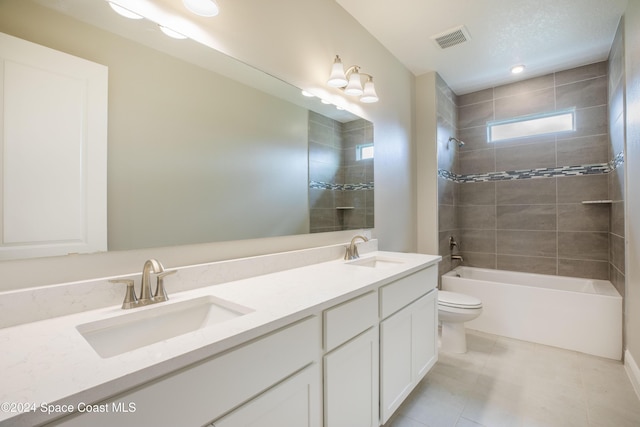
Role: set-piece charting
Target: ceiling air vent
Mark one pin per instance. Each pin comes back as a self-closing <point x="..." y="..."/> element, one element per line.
<point x="452" y="37"/>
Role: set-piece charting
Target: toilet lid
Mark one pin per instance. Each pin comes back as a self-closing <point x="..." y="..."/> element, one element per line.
<point x="456" y="300"/>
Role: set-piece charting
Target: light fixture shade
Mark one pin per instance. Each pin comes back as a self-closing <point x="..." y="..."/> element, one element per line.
<point x="172" y="33"/>
<point x="517" y="69"/>
<point x="337" y="77"/>
<point x="202" y="7"/>
<point x="369" y="95"/>
<point x="124" y="12"/>
<point x="355" y="84"/>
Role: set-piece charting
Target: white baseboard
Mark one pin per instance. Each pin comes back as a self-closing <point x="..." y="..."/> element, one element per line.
<point x="632" y="371"/>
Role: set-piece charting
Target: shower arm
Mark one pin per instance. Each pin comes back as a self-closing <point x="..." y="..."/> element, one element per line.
<point x="456" y="140"/>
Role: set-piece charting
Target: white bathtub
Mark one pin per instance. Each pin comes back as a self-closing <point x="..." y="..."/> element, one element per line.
<point x="584" y="315"/>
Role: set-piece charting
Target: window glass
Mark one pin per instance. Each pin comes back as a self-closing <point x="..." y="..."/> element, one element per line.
<point x="522" y="127"/>
<point x="364" y="151"/>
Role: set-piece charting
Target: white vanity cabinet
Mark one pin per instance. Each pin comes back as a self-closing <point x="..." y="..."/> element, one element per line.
<point x="351" y="363"/>
<point x="408" y="336"/>
<point x="347" y="364"/>
<point x="204" y="392"/>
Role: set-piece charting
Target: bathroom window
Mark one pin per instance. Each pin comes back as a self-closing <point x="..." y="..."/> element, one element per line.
<point x="526" y="126"/>
<point x="364" y="151"/>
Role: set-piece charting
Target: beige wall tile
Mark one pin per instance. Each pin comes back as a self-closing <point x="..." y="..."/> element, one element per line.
<point x="583" y="245"/>
<point x="528" y="264"/>
<point x="580" y="217"/>
<point x="531" y="243"/>
<point x="527" y="217"/>
<point x="526" y="191"/>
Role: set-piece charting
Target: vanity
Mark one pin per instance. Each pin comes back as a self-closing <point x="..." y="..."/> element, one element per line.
<point x="333" y="343"/>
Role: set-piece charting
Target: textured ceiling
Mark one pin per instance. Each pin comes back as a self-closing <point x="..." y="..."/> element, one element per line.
<point x="545" y="35"/>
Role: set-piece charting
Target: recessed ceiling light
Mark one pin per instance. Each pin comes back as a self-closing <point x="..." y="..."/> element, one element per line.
<point x="124" y="12"/>
<point x="307" y="94"/>
<point x="172" y="33"/>
<point x="517" y="69"/>
<point x="202" y="7"/>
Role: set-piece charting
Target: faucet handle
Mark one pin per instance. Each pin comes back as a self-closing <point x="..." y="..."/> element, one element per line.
<point x="161" y="294"/>
<point x="130" y="298"/>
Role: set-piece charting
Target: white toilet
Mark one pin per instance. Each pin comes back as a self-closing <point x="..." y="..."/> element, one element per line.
<point x="453" y="310"/>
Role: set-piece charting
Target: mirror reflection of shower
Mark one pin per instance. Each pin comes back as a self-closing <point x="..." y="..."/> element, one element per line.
<point x="456" y="140"/>
<point x="453" y="244"/>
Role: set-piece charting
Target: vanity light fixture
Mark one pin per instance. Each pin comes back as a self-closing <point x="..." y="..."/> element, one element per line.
<point x="206" y="8"/>
<point x="132" y="15"/>
<point x="124" y="12"/>
<point x="351" y="81"/>
<point x="172" y="33"/>
<point x="517" y="69"/>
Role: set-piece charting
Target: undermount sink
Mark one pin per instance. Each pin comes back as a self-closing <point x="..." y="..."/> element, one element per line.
<point x="376" y="262"/>
<point x="117" y="335"/>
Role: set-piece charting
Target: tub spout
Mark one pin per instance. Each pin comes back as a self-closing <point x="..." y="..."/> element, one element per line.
<point x="457" y="257"/>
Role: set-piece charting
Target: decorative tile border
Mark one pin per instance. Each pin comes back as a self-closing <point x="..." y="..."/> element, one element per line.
<point x="595" y="169"/>
<point x="617" y="161"/>
<point x="319" y="185"/>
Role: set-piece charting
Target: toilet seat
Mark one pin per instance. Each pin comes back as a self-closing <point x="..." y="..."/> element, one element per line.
<point x="456" y="300"/>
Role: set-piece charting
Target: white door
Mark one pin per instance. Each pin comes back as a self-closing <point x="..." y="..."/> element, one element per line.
<point x="53" y="152"/>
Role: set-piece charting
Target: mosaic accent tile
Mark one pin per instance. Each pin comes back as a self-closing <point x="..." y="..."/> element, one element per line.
<point x="594" y="169"/>
<point x="319" y="185"/>
<point x="617" y="161"/>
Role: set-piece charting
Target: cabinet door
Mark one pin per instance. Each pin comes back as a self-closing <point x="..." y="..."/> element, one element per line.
<point x="351" y="383"/>
<point x="407" y="351"/>
<point x="293" y="403"/>
<point x="395" y="362"/>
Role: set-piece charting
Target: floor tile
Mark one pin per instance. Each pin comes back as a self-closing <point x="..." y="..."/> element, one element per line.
<point x="506" y="382"/>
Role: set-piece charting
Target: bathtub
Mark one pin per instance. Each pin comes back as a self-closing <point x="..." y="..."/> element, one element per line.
<point x="584" y="315"/>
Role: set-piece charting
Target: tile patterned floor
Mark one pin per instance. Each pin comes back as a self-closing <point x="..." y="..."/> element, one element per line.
<point x="506" y="382"/>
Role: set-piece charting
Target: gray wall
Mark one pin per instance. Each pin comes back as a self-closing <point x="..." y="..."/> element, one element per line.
<point x="447" y="117"/>
<point x="617" y="146"/>
<point x="539" y="224"/>
<point x="632" y="233"/>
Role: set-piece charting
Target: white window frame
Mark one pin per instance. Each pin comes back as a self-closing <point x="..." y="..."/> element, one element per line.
<point x="531" y="125"/>
<point x="363" y="152"/>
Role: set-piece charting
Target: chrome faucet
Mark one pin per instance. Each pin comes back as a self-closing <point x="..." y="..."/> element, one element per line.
<point x="457" y="257"/>
<point x="131" y="300"/>
<point x="352" y="249"/>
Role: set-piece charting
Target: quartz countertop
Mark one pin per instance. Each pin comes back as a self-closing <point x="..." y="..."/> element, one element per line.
<point x="49" y="362"/>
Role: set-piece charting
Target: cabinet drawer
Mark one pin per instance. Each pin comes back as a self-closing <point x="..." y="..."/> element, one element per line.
<point x="295" y="402"/>
<point x="345" y="321"/>
<point x="402" y="292"/>
<point x="198" y="394"/>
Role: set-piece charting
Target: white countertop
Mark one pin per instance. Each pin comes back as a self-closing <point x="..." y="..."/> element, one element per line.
<point x="50" y="362"/>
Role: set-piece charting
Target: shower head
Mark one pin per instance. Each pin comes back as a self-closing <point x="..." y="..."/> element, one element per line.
<point x="456" y="140"/>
